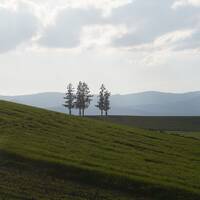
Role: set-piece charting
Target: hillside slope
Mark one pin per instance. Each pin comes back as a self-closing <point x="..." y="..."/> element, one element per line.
<point x="47" y="155"/>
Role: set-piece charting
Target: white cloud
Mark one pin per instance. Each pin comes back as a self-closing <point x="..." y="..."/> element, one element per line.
<point x="65" y="32"/>
<point x="101" y="35"/>
<point x="158" y="52"/>
<point x="105" y="5"/>
<point x="17" y="25"/>
<point x="47" y="10"/>
<point x="150" y="20"/>
<point x="100" y="4"/>
<point x="68" y="24"/>
<point x="166" y="43"/>
<point x="180" y="3"/>
<point x="170" y="39"/>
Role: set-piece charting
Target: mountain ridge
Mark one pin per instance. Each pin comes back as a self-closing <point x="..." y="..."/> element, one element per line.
<point x="148" y="103"/>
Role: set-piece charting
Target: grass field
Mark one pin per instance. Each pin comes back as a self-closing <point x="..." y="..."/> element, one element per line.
<point x="156" y="123"/>
<point x="47" y="155"/>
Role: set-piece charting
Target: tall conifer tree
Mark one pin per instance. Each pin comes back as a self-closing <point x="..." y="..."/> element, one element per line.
<point x="87" y="97"/>
<point x="79" y="99"/>
<point x="107" y="102"/>
<point x="100" y="103"/>
<point x="83" y="98"/>
<point x="69" y="98"/>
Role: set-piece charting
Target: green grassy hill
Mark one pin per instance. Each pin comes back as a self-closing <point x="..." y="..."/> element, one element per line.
<point x="157" y="123"/>
<point x="49" y="156"/>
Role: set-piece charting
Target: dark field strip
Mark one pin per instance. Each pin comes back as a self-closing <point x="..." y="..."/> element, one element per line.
<point x="156" y="123"/>
<point x="90" y="153"/>
<point x="193" y="135"/>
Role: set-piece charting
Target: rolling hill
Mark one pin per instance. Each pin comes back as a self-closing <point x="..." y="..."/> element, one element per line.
<point x="49" y="156"/>
<point x="142" y="104"/>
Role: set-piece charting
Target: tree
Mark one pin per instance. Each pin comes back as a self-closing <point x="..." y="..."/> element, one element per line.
<point x="86" y="96"/>
<point x="100" y="103"/>
<point x="79" y="100"/>
<point x="83" y="97"/>
<point x="69" y="98"/>
<point x="107" y="101"/>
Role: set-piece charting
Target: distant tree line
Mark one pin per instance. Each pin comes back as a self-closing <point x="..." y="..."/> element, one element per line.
<point x="82" y="97"/>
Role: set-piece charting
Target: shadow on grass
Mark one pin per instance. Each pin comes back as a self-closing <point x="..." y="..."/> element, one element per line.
<point x="96" y="178"/>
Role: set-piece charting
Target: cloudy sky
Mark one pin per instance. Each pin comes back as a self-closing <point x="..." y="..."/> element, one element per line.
<point x="130" y="45"/>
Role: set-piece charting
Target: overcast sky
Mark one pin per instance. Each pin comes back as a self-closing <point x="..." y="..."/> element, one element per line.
<point x="130" y="45"/>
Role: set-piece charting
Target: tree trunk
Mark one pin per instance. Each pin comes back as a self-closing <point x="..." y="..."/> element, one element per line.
<point x="79" y="112"/>
<point x="101" y="112"/>
<point x="70" y="111"/>
<point x="106" y="113"/>
<point x="83" y="114"/>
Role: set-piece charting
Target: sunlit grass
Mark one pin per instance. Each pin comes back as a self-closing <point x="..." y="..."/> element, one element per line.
<point x="81" y="153"/>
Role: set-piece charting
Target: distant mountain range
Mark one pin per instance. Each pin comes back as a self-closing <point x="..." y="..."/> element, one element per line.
<point x="145" y="103"/>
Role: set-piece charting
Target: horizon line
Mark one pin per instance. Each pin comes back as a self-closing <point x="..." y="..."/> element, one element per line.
<point x="115" y="94"/>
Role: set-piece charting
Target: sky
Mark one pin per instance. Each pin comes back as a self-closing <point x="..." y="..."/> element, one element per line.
<point x="129" y="45"/>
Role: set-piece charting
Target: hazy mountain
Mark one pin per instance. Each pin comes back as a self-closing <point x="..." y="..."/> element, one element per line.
<point x="145" y="103"/>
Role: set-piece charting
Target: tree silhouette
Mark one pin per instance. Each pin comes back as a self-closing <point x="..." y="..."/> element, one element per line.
<point x="69" y="98"/>
<point x="87" y="97"/>
<point x="100" y="103"/>
<point x="79" y="99"/>
<point x="107" y="101"/>
<point x="83" y="98"/>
